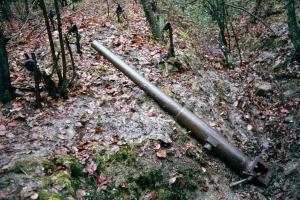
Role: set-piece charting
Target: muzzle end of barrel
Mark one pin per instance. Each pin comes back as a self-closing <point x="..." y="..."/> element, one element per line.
<point x="261" y="171"/>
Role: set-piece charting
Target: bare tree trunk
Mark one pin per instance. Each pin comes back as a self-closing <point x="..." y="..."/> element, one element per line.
<point x="71" y="83"/>
<point x="151" y="19"/>
<point x="221" y="21"/>
<point x="6" y="89"/>
<point x="107" y="5"/>
<point x="37" y="80"/>
<point x="62" y="49"/>
<point x="54" y="59"/>
<point x="293" y="28"/>
<point x="171" y="50"/>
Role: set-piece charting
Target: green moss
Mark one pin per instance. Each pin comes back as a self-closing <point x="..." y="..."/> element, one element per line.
<point x="267" y="43"/>
<point x="167" y="91"/>
<point x="273" y="42"/>
<point x="167" y="194"/>
<point x="220" y="87"/>
<point x="43" y="195"/>
<point x="63" y="179"/>
<point x="150" y="179"/>
<point x="125" y="155"/>
<point x="47" y="164"/>
<point x="112" y="192"/>
<point x="25" y="166"/>
<point x="185" y="36"/>
<point x="142" y="100"/>
<point x="75" y="167"/>
<point x="98" y="72"/>
<point x="68" y="179"/>
<point x="29" y="165"/>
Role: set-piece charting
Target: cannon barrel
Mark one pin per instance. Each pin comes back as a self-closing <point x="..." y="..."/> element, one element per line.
<point x="206" y="135"/>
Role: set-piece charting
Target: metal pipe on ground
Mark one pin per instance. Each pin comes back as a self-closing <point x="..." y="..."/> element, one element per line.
<point x="211" y="140"/>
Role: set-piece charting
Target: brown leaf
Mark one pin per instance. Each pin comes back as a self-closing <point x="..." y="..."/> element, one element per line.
<point x="161" y="153"/>
<point x="14" y="123"/>
<point x="124" y="196"/>
<point x="205" y="189"/>
<point x="181" y="182"/>
<point x="60" y="167"/>
<point x="102" y="180"/>
<point x="124" y="185"/>
<point x="284" y="111"/>
<point x="152" y="114"/>
<point x="114" y="139"/>
<point x="2" y="130"/>
<point x="91" y="167"/>
<point x="98" y="130"/>
<point x="151" y="195"/>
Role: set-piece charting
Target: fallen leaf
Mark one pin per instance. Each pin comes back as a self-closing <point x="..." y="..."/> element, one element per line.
<point x="81" y="194"/>
<point x="152" y="114"/>
<point x="181" y="182"/>
<point x="114" y="139"/>
<point x="60" y="167"/>
<point x="98" y="130"/>
<point x="2" y="130"/>
<point x="124" y="185"/>
<point x="91" y="167"/>
<point x="102" y="180"/>
<point x="151" y="195"/>
<point x="205" y="189"/>
<point x="14" y="123"/>
<point x="124" y="196"/>
<point x="161" y="153"/>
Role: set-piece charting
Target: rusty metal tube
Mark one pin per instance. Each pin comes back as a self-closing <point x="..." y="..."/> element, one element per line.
<point x="217" y="144"/>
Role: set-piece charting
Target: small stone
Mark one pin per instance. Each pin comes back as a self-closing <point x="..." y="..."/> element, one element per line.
<point x="249" y="127"/>
<point x="34" y="196"/>
<point x="10" y="135"/>
<point x="288" y="119"/>
<point x="70" y="133"/>
<point x="263" y="88"/>
<point x="161" y="153"/>
<point x="78" y="124"/>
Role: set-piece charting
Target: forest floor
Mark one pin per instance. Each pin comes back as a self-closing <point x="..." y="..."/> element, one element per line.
<point x="109" y="140"/>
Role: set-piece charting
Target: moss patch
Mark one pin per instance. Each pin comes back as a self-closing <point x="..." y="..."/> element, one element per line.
<point x="70" y="163"/>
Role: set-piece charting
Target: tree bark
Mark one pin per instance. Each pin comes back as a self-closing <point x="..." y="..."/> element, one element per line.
<point x="54" y="59"/>
<point x="151" y="19"/>
<point x="171" y="50"/>
<point x="71" y="83"/>
<point x="37" y="80"/>
<point x="6" y="89"/>
<point x="293" y="28"/>
<point x="62" y="49"/>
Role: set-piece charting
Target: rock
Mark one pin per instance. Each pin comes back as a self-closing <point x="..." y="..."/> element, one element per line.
<point x="291" y="168"/>
<point x="263" y="88"/>
<point x="288" y="119"/>
<point x="292" y="93"/>
<point x="267" y="56"/>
